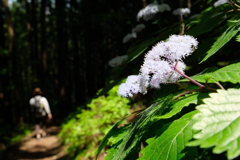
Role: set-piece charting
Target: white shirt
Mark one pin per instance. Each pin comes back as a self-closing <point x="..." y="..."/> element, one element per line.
<point x="43" y="101"/>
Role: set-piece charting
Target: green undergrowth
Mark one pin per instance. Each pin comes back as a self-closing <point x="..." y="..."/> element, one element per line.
<point x="83" y="131"/>
<point x="11" y="135"/>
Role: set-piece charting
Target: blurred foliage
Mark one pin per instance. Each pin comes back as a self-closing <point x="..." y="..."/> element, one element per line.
<point x="11" y="135"/>
<point x="83" y="132"/>
<point x="163" y="130"/>
<point x="91" y="34"/>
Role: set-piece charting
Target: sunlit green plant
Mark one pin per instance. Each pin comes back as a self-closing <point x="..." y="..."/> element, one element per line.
<point x="83" y="132"/>
<point x="198" y="119"/>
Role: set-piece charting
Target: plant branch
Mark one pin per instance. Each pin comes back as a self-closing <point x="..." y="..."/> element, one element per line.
<point x="235" y="4"/>
<point x="180" y="85"/>
<point x="184" y="75"/>
<point x="186" y="92"/>
<point x="202" y="89"/>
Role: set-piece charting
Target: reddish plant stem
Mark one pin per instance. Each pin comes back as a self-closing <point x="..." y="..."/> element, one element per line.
<point x="184" y="75"/>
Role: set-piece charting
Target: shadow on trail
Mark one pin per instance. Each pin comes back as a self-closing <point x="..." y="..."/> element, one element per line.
<point x="48" y="148"/>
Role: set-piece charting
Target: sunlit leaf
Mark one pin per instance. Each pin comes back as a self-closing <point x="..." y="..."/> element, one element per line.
<point x="209" y="23"/>
<point x="113" y="131"/>
<point x="238" y="38"/>
<point x="222" y="40"/>
<point x="129" y="145"/>
<point x="218" y="123"/>
<point x="171" y="143"/>
<point x="230" y="73"/>
<point x="180" y="104"/>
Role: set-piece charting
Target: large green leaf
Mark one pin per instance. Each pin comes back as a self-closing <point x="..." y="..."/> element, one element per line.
<point x="218" y="123"/>
<point x="222" y="40"/>
<point x="230" y="73"/>
<point x="183" y="102"/>
<point x="238" y="38"/>
<point x="207" y="23"/>
<point x="172" y="142"/>
<point x="113" y="131"/>
<point x="138" y="49"/>
<point x="128" y="145"/>
<point x="199" y="53"/>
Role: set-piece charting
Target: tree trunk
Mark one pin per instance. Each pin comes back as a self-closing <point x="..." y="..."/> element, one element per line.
<point x="34" y="31"/>
<point x="63" y="58"/>
<point x="43" y="42"/>
<point x="12" y="82"/>
<point x="2" y="37"/>
<point x="9" y="26"/>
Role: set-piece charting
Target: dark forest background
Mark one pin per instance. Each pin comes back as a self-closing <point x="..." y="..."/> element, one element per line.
<point x="62" y="46"/>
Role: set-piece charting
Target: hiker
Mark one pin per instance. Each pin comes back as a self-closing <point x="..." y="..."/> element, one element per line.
<point x="42" y="113"/>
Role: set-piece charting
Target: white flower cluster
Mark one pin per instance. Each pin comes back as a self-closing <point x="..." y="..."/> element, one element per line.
<point x="117" y="61"/>
<point x="130" y="87"/>
<point x="195" y="16"/>
<point x="220" y="2"/>
<point x="129" y="36"/>
<point x="151" y="10"/>
<point x="181" y="11"/>
<point x="132" y="35"/>
<point x="138" y="28"/>
<point x="162" y="65"/>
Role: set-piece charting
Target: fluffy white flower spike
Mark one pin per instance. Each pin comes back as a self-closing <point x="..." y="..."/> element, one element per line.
<point x="130" y="87"/>
<point x="220" y="2"/>
<point x="176" y="48"/>
<point x="151" y="10"/>
<point x="117" y="61"/>
<point x="134" y="32"/>
<point x="138" y="28"/>
<point x="129" y="36"/>
<point x="162" y="64"/>
<point x="181" y="11"/>
<point x="180" y="46"/>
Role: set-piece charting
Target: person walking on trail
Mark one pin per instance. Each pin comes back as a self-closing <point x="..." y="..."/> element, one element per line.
<point x="42" y="113"/>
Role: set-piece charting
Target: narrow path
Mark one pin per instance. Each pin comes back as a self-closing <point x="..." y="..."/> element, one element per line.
<point x="48" y="148"/>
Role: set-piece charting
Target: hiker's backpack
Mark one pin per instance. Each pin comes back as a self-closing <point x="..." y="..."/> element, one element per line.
<point x="38" y="108"/>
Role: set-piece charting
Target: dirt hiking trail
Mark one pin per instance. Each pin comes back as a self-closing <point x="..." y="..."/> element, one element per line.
<point x="48" y="148"/>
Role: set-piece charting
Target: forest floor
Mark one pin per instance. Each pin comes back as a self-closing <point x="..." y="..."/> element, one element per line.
<point x="48" y="148"/>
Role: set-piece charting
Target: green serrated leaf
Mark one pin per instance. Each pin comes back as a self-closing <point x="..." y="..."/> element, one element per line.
<point x="113" y="131"/>
<point x="108" y="87"/>
<point x="203" y="76"/>
<point x="207" y="25"/>
<point x="199" y="53"/>
<point x="172" y="142"/>
<point x="230" y="73"/>
<point x="116" y="140"/>
<point x="180" y="104"/>
<point x="238" y="38"/>
<point x="218" y="123"/>
<point x="139" y="53"/>
<point x="129" y="145"/>
<point x="222" y="40"/>
<point x="138" y="49"/>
